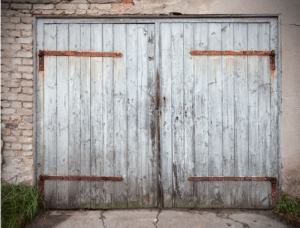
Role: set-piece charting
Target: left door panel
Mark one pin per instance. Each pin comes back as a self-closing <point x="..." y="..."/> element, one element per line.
<point x="95" y="115"/>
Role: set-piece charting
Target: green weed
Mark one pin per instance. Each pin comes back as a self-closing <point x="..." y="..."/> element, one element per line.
<point x="289" y="209"/>
<point x="19" y="204"/>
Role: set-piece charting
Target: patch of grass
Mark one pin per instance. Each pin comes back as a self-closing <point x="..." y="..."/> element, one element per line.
<point x="19" y="204"/>
<point x="289" y="209"/>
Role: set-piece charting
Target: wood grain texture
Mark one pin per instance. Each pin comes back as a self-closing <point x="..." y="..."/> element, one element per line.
<point x="62" y="115"/>
<point x="97" y="155"/>
<point x="50" y="116"/>
<point x="158" y="114"/>
<point x="74" y="116"/>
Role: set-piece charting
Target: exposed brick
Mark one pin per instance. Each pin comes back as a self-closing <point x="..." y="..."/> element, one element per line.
<point x="6" y="132"/>
<point x="26" y="126"/>
<point x="90" y="12"/>
<point x="8" y="40"/>
<point x="28" y="119"/>
<point x="27" y="104"/>
<point x="27" y="47"/>
<point x="26" y="83"/>
<point x="5" y="46"/>
<point x="27" y="40"/>
<point x="16" y="90"/>
<point x="100" y="6"/>
<point x="12" y="97"/>
<point x="25" y="139"/>
<point x="27" y="76"/>
<point x="80" y="12"/>
<point x="8" y="111"/>
<point x="25" y="69"/>
<point x="16" y="133"/>
<point x="9" y="139"/>
<point x="83" y="6"/>
<point x="16" y="61"/>
<point x="27" y="147"/>
<point x="4" y="6"/>
<point x="27" y="90"/>
<point x="9" y="153"/>
<point x="14" y="19"/>
<point x="24" y="26"/>
<point x="15" y="75"/>
<point x="24" y="97"/>
<point x="4" y="20"/>
<point x="15" y="34"/>
<point x="27" y="61"/>
<point x="20" y="6"/>
<point x="22" y="54"/>
<point x="15" y="119"/>
<point x="27" y="20"/>
<point x="27" y="133"/>
<point x="5" y="104"/>
<point x="43" y="6"/>
<point x="16" y="47"/>
<point x="16" y="104"/>
<point x="13" y="83"/>
<point x="104" y="1"/>
<point x="26" y="33"/>
<point x="16" y="146"/>
<point x="9" y="26"/>
<point x="24" y="112"/>
<point x="64" y="6"/>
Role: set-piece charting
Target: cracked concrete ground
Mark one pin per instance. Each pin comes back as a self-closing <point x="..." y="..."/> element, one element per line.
<point x="157" y="218"/>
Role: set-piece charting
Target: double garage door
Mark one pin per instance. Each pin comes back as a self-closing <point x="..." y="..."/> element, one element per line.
<point x="166" y="112"/>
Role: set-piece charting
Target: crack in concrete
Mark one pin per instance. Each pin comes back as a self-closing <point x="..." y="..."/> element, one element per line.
<point x="245" y="225"/>
<point x="102" y="217"/>
<point x="155" y="223"/>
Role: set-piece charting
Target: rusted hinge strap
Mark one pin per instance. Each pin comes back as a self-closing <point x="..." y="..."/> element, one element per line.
<point x="42" y="178"/>
<point x="273" y="181"/>
<point x="239" y="53"/>
<point x="74" y="53"/>
<point x="260" y="53"/>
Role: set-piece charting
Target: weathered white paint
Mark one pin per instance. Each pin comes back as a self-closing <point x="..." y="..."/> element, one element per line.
<point x="216" y="113"/>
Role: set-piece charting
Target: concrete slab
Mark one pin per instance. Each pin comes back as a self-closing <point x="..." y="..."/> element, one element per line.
<point x="254" y="220"/>
<point x="155" y="218"/>
<point x="130" y="218"/>
<point x="194" y="219"/>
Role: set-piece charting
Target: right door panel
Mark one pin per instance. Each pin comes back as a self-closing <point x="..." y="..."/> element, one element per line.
<point x="216" y="115"/>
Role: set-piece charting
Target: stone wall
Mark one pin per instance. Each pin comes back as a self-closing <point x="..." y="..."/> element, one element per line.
<point x="17" y="68"/>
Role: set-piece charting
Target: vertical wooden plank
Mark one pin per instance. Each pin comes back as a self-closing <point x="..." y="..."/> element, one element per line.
<point x="241" y="113"/>
<point x="132" y="114"/>
<point x="85" y="101"/>
<point x="275" y="150"/>
<point x="188" y="108"/>
<point x="254" y="153"/>
<point x="97" y="155"/>
<point x="201" y="112"/>
<point x="228" y="110"/>
<point x="50" y="115"/>
<point x="108" y="114"/>
<point x="74" y="116"/>
<point x="40" y="104"/>
<point x="143" y="118"/>
<point x="264" y="100"/>
<point x="166" y="118"/>
<point x="62" y="114"/>
<point x="120" y="120"/>
<point x="177" y="114"/>
<point x="215" y="142"/>
<point x="151" y="105"/>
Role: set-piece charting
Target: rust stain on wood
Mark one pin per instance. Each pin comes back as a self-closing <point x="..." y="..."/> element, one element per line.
<point x="261" y="53"/>
<point x="42" y="178"/>
<point x="42" y="54"/>
<point x="273" y="181"/>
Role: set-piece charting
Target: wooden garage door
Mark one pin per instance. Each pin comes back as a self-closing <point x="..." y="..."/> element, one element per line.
<point x="159" y="110"/>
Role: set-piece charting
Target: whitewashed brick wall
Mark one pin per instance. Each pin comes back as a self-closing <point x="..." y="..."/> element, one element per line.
<point x="17" y="75"/>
